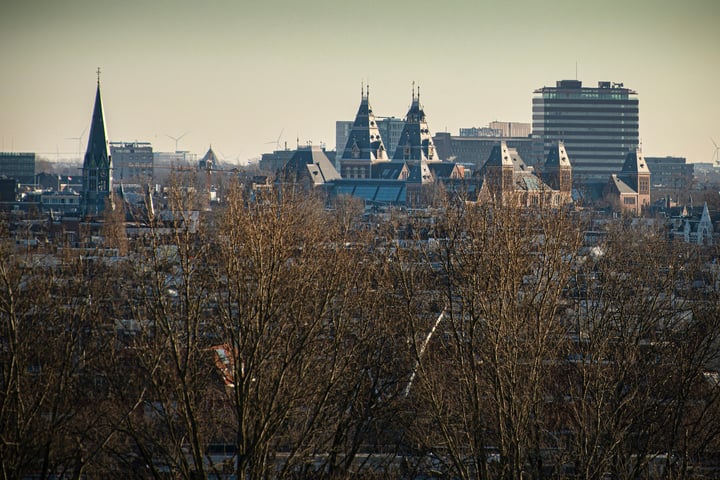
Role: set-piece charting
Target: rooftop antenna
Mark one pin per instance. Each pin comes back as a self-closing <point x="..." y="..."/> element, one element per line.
<point x="177" y="139"/>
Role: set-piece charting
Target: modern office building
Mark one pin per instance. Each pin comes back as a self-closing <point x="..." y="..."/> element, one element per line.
<point x="18" y="166"/>
<point x="598" y="125"/>
<point x="671" y="173"/>
<point x="132" y="162"/>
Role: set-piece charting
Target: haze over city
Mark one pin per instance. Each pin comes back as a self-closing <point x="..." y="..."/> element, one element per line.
<point x="246" y="77"/>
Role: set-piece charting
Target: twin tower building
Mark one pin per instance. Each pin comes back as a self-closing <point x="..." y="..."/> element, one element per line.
<point x="504" y="175"/>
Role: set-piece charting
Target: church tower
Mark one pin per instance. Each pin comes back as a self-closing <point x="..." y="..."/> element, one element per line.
<point x="415" y="142"/>
<point x="364" y="146"/>
<point x="97" y="180"/>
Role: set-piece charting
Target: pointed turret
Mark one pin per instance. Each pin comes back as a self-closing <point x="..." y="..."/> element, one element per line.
<point x="364" y="146"/>
<point x="558" y="170"/>
<point x="415" y="142"/>
<point x="209" y="160"/>
<point x="97" y="179"/>
<point x="636" y="173"/>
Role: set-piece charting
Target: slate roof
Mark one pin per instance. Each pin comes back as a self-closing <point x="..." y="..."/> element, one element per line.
<point x="635" y="163"/>
<point x="209" y="160"/>
<point x="620" y="185"/>
<point x="96" y="155"/>
<point x="557" y="156"/>
<point x="364" y="141"/>
<point x="311" y="162"/>
<point x="415" y="141"/>
<point x="391" y="170"/>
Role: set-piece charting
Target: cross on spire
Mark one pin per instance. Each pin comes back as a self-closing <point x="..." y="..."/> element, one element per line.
<point x="98" y="76"/>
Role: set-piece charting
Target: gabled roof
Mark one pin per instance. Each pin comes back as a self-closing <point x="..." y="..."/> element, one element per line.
<point x="388" y="170"/>
<point x="620" y="186"/>
<point x="96" y="154"/>
<point x="420" y="173"/>
<point x="442" y="169"/>
<point x="364" y="141"/>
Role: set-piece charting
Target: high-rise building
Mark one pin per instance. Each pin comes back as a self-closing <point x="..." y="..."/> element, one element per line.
<point x="598" y="125"/>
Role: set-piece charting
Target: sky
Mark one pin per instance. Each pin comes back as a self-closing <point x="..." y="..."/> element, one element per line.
<point x="245" y="76"/>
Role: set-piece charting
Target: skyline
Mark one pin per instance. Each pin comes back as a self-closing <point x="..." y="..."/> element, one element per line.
<point x="239" y="76"/>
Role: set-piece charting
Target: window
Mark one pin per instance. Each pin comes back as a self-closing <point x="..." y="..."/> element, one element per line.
<point x="629" y="200"/>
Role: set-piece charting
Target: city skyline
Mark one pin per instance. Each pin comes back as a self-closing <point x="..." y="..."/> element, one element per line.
<point x="245" y="78"/>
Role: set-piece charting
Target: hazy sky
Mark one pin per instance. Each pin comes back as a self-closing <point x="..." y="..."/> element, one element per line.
<point x="235" y="74"/>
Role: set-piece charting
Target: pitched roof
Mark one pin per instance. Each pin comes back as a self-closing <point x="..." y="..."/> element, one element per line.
<point x="313" y="163"/>
<point x="620" y="185"/>
<point x="209" y="159"/>
<point x="364" y="141"/>
<point x="415" y="141"/>
<point x="635" y="163"/>
<point x="96" y="154"/>
<point x="557" y="156"/>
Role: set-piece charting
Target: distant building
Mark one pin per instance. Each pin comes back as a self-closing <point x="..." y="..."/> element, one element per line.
<point x="475" y="150"/>
<point x="275" y="161"/>
<point x="598" y="125"/>
<point x="416" y="142"/>
<point x="132" y="162"/>
<point x="671" y="175"/>
<point x="506" y="178"/>
<point x="391" y="129"/>
<point x="512" y="129"/>
<point x="364" y="146"/>
<point x="309" y="166"/>
<point x="20" y="166"/>
<point x="629" y="191"/>
<point x="96" y="172"/>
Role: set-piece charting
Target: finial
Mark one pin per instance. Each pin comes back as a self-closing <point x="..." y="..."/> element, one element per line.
<point x="362" y="88"/>
<point x="367" y="89"/>
<point x="413" y="90"/>
<point x="418" y="96"/>
<point x="98" y="76"/>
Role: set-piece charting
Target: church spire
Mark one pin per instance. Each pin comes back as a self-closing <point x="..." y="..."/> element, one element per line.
<point x="96" y="165"/>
